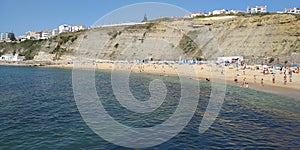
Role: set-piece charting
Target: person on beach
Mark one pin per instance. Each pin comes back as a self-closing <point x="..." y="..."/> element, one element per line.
<point x="273" y="79"/>
<point x="290" y="74"/>
<point x="254" y="77"/>
<point x="235" y="79"/>
<point x="284" y="79"/>
<point x="262" y="82"/>
<point x="296" y="70"/>
<point x="244" y="82"/>
<point x="140" y="68"/>
<point x="247" y="85"/>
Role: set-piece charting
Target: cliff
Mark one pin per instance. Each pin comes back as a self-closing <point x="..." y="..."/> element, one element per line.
<point x="252" y="36"/>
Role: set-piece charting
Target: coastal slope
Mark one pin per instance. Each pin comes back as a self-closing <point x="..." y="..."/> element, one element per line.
<point x="252" y="36"/>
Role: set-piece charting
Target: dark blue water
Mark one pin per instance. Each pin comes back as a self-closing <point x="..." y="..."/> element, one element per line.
<point x="38" y="111"/>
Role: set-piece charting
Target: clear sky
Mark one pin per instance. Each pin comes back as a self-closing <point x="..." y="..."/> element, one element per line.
<point x="19" y="16"/>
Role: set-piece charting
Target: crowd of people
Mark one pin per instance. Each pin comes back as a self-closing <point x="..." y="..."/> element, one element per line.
<point x="263" y="72"/>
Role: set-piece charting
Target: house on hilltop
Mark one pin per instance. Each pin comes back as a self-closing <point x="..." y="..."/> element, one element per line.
<point x="7" y="37"/>
<point x="194" y="14"/>
<point x="46" y="34"/>
<point x="33" y="35"/>
<point x="64" y="28"/>
<point x="77" y="27"/>
<point x="292" y="10"/>
<point x="256" y="9"/>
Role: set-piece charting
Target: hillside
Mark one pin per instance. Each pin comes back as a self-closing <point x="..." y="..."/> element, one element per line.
<point x="252" y="36"/>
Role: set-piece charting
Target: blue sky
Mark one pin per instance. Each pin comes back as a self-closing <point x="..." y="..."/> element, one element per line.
<point x="19" y="16"/>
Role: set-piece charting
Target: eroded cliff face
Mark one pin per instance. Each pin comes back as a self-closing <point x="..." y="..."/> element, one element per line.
<point x="274" y="35"/>
<point x="268" y="35"/>
<point x="155" y="40"/>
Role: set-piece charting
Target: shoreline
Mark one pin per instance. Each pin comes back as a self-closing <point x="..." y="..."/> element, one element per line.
<point x="291" y="89"/>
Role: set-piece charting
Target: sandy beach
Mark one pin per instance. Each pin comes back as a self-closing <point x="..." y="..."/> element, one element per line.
<point x="254" y="79"/>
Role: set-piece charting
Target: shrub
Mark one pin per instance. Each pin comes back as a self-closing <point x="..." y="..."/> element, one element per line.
<point x="271" y="60"/>
<point x="187" y="44"/>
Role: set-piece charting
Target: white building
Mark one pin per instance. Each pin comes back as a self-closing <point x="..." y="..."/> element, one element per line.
<point x="64" y="28"/>
<point x="67" y="28"/>
<point x="55" y="32"/>
<point x="194" y="14"/>
<point x="224" y="11"/>
<point x="33" y="35"/>
<point x="77" y="27"/>
<point x="3" y="36"/>
<point x="235" y="11"/>
<point x="11" y="57"/>
<point x="21" y="38"/>
<point x="218" y="12"/>
<point x="256" y="9"/>
<point x="7" y="36"/>
<point x="46" y="34"/>
<point x="292" y="10"/>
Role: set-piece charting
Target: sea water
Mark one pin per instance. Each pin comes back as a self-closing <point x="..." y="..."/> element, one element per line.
<point x="38" y="111"/>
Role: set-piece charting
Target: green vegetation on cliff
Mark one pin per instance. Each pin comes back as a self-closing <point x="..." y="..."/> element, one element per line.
<point x="187" y="44"/>
<point x="62" y="40"/>
<point x="28" y="48"/>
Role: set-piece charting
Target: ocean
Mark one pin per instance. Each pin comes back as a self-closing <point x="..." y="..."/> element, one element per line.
<point x="38" y="111"/>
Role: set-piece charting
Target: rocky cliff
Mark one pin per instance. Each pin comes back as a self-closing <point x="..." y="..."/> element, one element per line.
<point x="252" y="36"/>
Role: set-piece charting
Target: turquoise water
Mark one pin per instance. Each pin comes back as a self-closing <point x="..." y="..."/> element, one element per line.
<point x="38" y="111"/>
